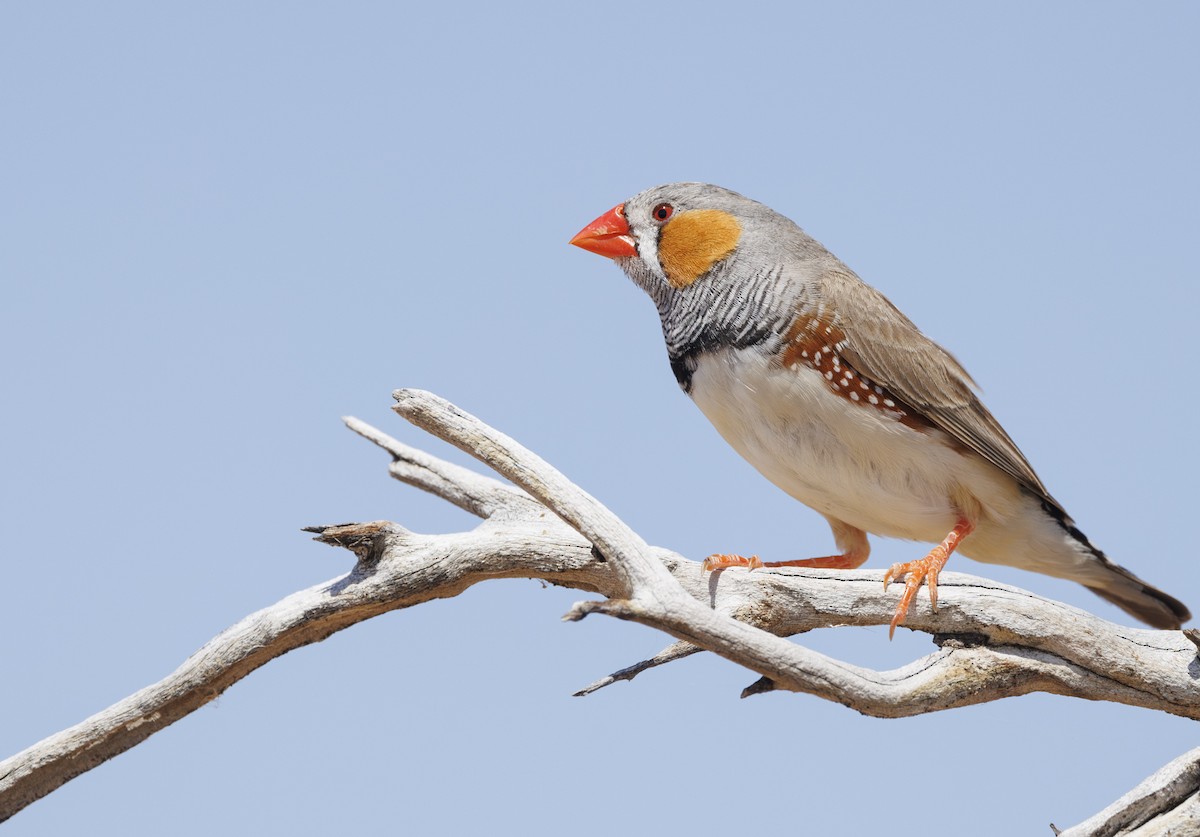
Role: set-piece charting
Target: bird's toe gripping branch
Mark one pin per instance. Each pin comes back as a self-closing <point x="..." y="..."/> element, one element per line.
<point x="720" y="561"/>
<point x="926" y="569"/>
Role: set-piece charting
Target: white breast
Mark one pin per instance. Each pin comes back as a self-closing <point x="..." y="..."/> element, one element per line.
<point x="859" y="465"/>
<point x="847" y="460"/>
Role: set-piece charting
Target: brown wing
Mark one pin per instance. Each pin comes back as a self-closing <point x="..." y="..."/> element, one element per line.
<point x="886" y="347"/>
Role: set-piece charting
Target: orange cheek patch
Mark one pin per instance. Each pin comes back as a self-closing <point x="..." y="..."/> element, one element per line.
<point x="692" y="242"/>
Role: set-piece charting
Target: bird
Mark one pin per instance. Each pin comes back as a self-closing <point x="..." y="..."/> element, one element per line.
<point x="835" y="396"/>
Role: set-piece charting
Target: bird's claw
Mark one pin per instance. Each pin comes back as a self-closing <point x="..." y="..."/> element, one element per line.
<point x="720" y="561"/>
<point x="926" y="570"/>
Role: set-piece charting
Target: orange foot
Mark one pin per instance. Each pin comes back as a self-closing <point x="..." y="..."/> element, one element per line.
<point x="720" y="561"/>
<point x="926" y="570"/>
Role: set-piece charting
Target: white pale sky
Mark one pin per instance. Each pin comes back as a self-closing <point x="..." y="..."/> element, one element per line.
<point x="225" y="225"/>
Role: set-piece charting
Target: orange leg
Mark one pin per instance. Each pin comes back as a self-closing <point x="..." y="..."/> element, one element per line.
<point x="834" y="562"/>
<point x="852" y="542"/>
<point x="926" y="570"/>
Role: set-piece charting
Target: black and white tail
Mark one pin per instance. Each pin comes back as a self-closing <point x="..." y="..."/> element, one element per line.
<point x="1124" y="589"/>
<point x="1139" y="599"/>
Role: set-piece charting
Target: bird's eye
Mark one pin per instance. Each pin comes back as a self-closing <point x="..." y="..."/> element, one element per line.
<point x="663" y="211"/>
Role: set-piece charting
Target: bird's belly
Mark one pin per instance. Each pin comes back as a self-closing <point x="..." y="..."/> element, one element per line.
<point x="849" y="461"/>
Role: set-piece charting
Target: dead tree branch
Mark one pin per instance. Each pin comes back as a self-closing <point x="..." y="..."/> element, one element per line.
<point x="1167" y="804"/>
<point x="995" y="641"/>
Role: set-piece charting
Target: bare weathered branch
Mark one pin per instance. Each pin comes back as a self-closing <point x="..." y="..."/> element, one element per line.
<point x="996" y="641"/>
<point x="1167" y="803"/>
<point x="637" y="572"/>
<point x="481" y="496"/>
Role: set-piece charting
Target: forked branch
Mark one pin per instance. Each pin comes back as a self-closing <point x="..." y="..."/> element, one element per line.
<point x="994" y="641"/>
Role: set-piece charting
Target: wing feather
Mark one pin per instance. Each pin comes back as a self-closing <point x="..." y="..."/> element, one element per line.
<point x="885" y="346"/>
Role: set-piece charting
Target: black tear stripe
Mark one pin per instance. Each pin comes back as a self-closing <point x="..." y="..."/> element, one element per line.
<point x="682" y="367"/>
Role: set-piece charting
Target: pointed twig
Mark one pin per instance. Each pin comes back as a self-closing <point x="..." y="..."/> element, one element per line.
<point x="674" y="651"/>
<point x="473" y="492"/>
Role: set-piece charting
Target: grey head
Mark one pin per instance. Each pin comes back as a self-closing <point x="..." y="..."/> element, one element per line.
<point x="722" y="269"/>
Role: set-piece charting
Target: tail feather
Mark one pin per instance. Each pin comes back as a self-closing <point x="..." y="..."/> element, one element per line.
<point x="1124" y="589"/>
<point x="1141" y="600"/>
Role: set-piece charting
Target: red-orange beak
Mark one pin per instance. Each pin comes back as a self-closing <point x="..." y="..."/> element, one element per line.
<point x="608" y="235"/>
